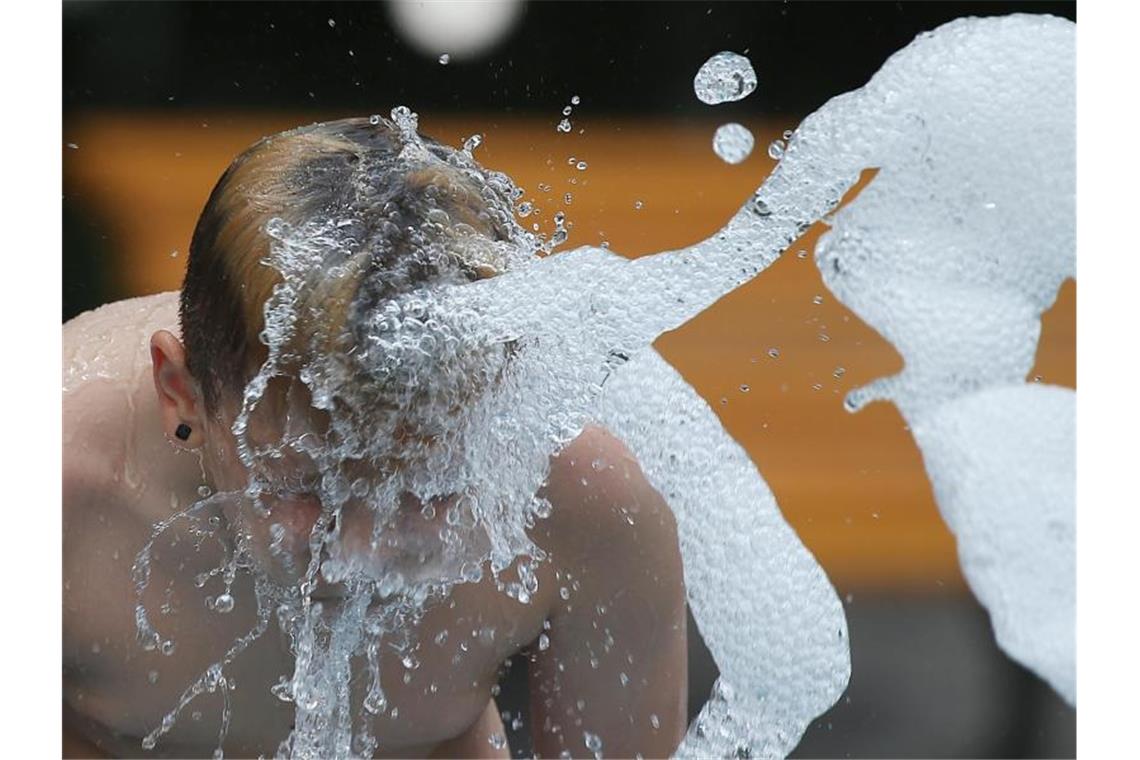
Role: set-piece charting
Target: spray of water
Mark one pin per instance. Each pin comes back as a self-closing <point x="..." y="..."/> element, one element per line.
<point x="459" y="392"/>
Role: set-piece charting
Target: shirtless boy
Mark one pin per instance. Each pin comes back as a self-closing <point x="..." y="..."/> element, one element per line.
<point x="152" y="387"/>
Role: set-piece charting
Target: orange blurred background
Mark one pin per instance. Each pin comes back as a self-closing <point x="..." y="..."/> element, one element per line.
<point x="852" y="485"/>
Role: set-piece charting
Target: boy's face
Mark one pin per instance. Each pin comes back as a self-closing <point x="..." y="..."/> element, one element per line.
<point x="373" y="534"/>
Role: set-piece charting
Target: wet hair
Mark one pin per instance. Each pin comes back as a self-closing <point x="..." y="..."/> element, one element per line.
<point x="354" y="170"/>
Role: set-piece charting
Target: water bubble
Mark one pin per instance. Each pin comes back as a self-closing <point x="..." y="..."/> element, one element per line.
<point x="575" y="100"/>
<point x="723" y="78"/>
<point x="564" y="593"/>
<point x="817" y="300"/>
<point x="204" y="491"/>
<point x="566" y="111"/>
<point x="801" y="254"/>
<point x="624" y="679"/>
<point x="374" y="119"/>
<point x="581" y="165"/>
<point x="167" y="647"/>
<point x="774" y="352"/>
<point x="473" y="142"/>
<point x="224" y="603"/>
<point x="497" y="741"/>
<point x="564" y="126"/>
<point x="776" y="150"/>
<point x="543" y="642"/>
<point x="593" y="742"/>
<point x="332" y="24"/>
<point x="444" y="59"/>
<point x="567" y="199"/>
<point x="525" y="209"/>
<point x="744" y="388"/>
<point x="839" y="372"/>
<point x="733" y="142"/>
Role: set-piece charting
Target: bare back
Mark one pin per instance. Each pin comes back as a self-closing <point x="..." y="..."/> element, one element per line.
<point x="610" y="605"/>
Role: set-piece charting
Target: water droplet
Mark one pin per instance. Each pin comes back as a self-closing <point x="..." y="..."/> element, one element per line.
<point x="776" y="150"/>
<point x="725" y="77"/>
<point x="332" y="24"/>
<point x="497" y="741"/>
<point x="744" y="388"/>
<point x="774" y="353"/>
<point x="817" y="300"/>
<point x="566" y="111"/>
<point x="733" y="142"/>
<point x="444" y="59"/>
<point x="167" y="647"/>
<point x="203" y="491"/>
<point x="374" y="119"/>
<point x="801" y="254"/>
<point x="224" y="603"/>
<point x="564" y="593"/>
<point x="839" y="372"/>
<point x="638" y="205"/>
<point x="543" y="642"/>
<point x="654" y="721"/>
<point x="581" y="166"/>
<point x="564" y="126"/>
<point x="593" y="741"/>
<point x="567" y="199"/>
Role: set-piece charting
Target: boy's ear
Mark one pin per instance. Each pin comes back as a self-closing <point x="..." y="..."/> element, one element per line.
<point x="179" y="398"/>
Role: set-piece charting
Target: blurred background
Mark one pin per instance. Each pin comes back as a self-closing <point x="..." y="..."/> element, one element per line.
<point x="159" y="96"/>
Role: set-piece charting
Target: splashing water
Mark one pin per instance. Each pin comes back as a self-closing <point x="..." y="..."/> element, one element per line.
<point x="492" y="377"/>
<point x="732" y="142"/>
<point x="724" y="78"/>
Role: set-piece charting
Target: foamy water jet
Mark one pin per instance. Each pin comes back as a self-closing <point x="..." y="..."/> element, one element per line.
<point x="501" y="373"/>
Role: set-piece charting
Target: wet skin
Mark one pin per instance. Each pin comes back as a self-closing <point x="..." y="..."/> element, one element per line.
<point x="611" y="540"/>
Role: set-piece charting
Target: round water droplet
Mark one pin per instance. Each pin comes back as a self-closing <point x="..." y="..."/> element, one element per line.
<point x="525" y="209"/>
<point x="723" y="78"/>
<point x="566" y="111"/>
<point x="776" y="150"/>
<point x="564" y="593"/>
<point x="203" y="491"/>
<point x="374" y="119"/>
<point x="224" y="603"/>
<point x="581" y="166"/>
<point x="575" y="100"/>
<point x="733" y="142"/>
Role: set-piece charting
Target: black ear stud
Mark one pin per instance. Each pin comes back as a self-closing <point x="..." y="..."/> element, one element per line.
<point x="183" y="432"/>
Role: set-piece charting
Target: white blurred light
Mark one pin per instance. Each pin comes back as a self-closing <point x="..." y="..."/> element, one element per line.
<point x="461" y="28"/>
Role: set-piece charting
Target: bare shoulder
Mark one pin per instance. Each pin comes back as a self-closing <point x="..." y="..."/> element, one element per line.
<point x="105" y="363"/>
<point x="105" y="343"/>
<point x="606" y="513"/>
